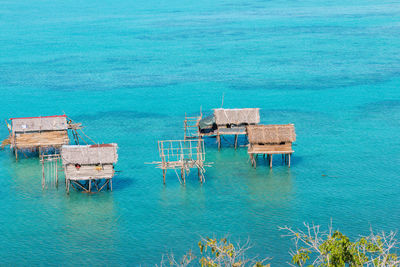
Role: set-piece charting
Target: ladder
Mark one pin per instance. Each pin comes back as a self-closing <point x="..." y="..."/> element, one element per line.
<point x="191" y="127"/>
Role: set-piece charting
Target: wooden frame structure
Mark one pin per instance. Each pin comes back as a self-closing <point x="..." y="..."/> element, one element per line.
<point x="183" y="155"/>
<point x="84" y="164"/>
<point x="270" y="140"/>
<point x="191" y="127"/>
<point x="49" y="164"/>
<point x="225" y="122"/>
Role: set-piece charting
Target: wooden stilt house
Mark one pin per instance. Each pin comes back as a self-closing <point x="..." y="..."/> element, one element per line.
<point x="89" y="167"/>
<point x="35" y="134"/>
<point x="270" y="140"/>
<point x="223" y="122"/>
<point x="182" y="155"/>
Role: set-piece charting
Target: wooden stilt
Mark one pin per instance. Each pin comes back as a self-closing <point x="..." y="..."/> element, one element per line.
<point x="270" y="161"/>
<point x="16" y="154"/>
<point x="255" y="161"/>
<point x="164" y="171"/>
<point x="56" y="171"/>
<point x="42" y="173"/>
<point x="289" y="161"/>
<point x="90" y="185"/>
<point x="68" y="183"/>
<point x="219" y="141"/>
<point x="183" y="175"/>
<point x="236" y="139"/>
<point x="264" y="156"/>
<point x="111" y="184"/>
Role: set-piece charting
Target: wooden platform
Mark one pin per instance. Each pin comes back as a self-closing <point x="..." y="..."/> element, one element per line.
<point x="182" y="154"/>
<point x="270" y="149"/>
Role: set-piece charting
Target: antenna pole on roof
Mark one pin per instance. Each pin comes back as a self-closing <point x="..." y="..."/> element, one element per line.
<point x="222" y="105"/>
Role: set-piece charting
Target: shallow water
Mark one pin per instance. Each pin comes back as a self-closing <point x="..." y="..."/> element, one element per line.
<point x="130" y="71"/>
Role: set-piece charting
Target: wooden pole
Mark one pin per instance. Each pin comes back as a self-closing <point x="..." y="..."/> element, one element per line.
<point x="96" y="182"/>
<point x="289" y="161"/>
<point x="164" y="173"/>
<point x="270" y="161"/>
<point x="183" y="175"/>
<point x="16" y="154"/>
<point x="57" y="173"/>
<point x="106" y="183"/>
<point x="198" y="173"/>
<point x="185" y="127"/>
<point x="219" y="141"/>
<point x="236" y="139"/>
<point x="111" y="184"/>
<point x="42" y="173"/>
<point x="67" y="185"/>
<point x="90" y="185"/>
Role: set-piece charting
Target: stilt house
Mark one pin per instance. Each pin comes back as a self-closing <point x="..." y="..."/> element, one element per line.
<point x="89" y="167"/>
<point x="224" y="122"/>
<point x="270" y="140"/>
<point x="36" y="133"/>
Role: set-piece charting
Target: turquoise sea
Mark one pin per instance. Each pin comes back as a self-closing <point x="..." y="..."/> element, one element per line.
<point x="129" y="70"/>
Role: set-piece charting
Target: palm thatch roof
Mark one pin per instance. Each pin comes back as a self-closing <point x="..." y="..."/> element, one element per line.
<point x="271" y="134"/>
<point x="37" y="124"/>
<point x="237" y="116"/>
<point x="40" y="139"/>
<point x="89" y="154"/>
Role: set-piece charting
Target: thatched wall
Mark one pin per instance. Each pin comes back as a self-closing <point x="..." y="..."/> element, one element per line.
<point x="35" y="124"/>
<point x="42" y="139"/>
<point x="237" y="116"/>
<point x="94" y="154"/>
<point x="86" y="172"/>
<point x="271" y="134"/>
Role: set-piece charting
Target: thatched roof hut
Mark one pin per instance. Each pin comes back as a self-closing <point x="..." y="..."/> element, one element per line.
<point x="271" y="134"/>
<point x="39" y="124"/>
<point x="33" y="132"/>
<point x="89" y="154"/>
<point x="89" y="163"/>
<point x="226" y="122"/>
<point x="243" y="116"/>
<point x="269" y="140"/>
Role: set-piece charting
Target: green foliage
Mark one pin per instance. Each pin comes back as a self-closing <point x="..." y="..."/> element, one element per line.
<point x="301" y="257"/>
<point x="220" y="253"/>
<point x="312" y="248"/>
<point x="337" y="250"/>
